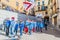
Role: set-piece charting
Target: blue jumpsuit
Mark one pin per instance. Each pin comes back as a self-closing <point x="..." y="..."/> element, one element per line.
<point x="16" y="28"/>
<point x="21" y="25"/>
<point x="30" y="26"/>
<point x="8" y="22"/>
<point x="11" y="29"/>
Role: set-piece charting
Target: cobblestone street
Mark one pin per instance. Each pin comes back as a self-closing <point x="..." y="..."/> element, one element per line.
<point x="51" y="34"/>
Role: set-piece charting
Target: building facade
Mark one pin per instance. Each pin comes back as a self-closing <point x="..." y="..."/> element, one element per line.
<point x="47" y="8"/>
<point x="58" y="17"/>
<point x="13" y="4"/>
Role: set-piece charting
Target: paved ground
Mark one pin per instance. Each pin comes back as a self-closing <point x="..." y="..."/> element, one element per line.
<point x="51" y="34"/>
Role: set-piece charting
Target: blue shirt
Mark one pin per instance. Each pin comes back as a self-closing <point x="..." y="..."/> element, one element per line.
<point x="40" y="24"/>
<point x="30" y="25"/>
<point x="8" y="23"/>
<point x="16" y="26"/>
<point x="21" y="25"/>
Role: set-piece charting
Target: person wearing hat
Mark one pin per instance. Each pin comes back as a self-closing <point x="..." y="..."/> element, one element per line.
<point x="12" y="27"/>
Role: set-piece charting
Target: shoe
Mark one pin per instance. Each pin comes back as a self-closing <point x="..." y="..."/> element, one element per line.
<point x="41" y="31"/>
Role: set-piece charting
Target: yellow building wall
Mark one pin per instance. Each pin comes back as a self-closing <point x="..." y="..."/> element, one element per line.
<point x="36" y="5"/>
<point x="12" y="3"/>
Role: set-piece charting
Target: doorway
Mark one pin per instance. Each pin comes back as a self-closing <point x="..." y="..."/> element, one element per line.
<point x="55" y="20"/>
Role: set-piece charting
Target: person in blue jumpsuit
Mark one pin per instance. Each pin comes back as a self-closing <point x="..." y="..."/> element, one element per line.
<point x="8" y="23"/>
<point x="21" y="25"/>
<point x="34" y="25"/>
<point x="38" y="28"/>
<point x="12" y="27"/>
<point x="16" y="27"/>
<point x="41" y="25"/>
<point x="29" y="25"/>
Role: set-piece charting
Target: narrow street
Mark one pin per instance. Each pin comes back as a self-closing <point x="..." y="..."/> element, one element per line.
<point x="17" y="14"/>
<point x="51" y="34"/>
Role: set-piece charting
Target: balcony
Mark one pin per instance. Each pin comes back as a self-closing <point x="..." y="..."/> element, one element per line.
<point x="41" y="8"/>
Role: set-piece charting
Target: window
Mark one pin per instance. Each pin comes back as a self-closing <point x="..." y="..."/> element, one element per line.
<point x="17" y="4"/>
<point x="7" y="0"/>
<point x="38" y="3"/>
<point x="42" y="8"/>
<point x="42" y="2"/>
<point x="38" y="8"/>
<point x="46" y="13"/>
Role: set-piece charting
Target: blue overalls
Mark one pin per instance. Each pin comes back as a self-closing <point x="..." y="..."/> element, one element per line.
<point x="12" y="27"/>
<point x="29" y="25"/>
<point x="16" y="27"/>
<point x="8" y="22"/>
<point x="34" y="26"/>
<point x="21" y="25"/>
<point x="38" y="26"/>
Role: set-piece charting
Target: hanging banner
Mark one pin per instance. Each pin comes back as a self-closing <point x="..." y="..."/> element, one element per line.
<point x="28" y="5"/>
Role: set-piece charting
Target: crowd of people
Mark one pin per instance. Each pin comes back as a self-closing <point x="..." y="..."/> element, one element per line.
<point x="11" y="26"/>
